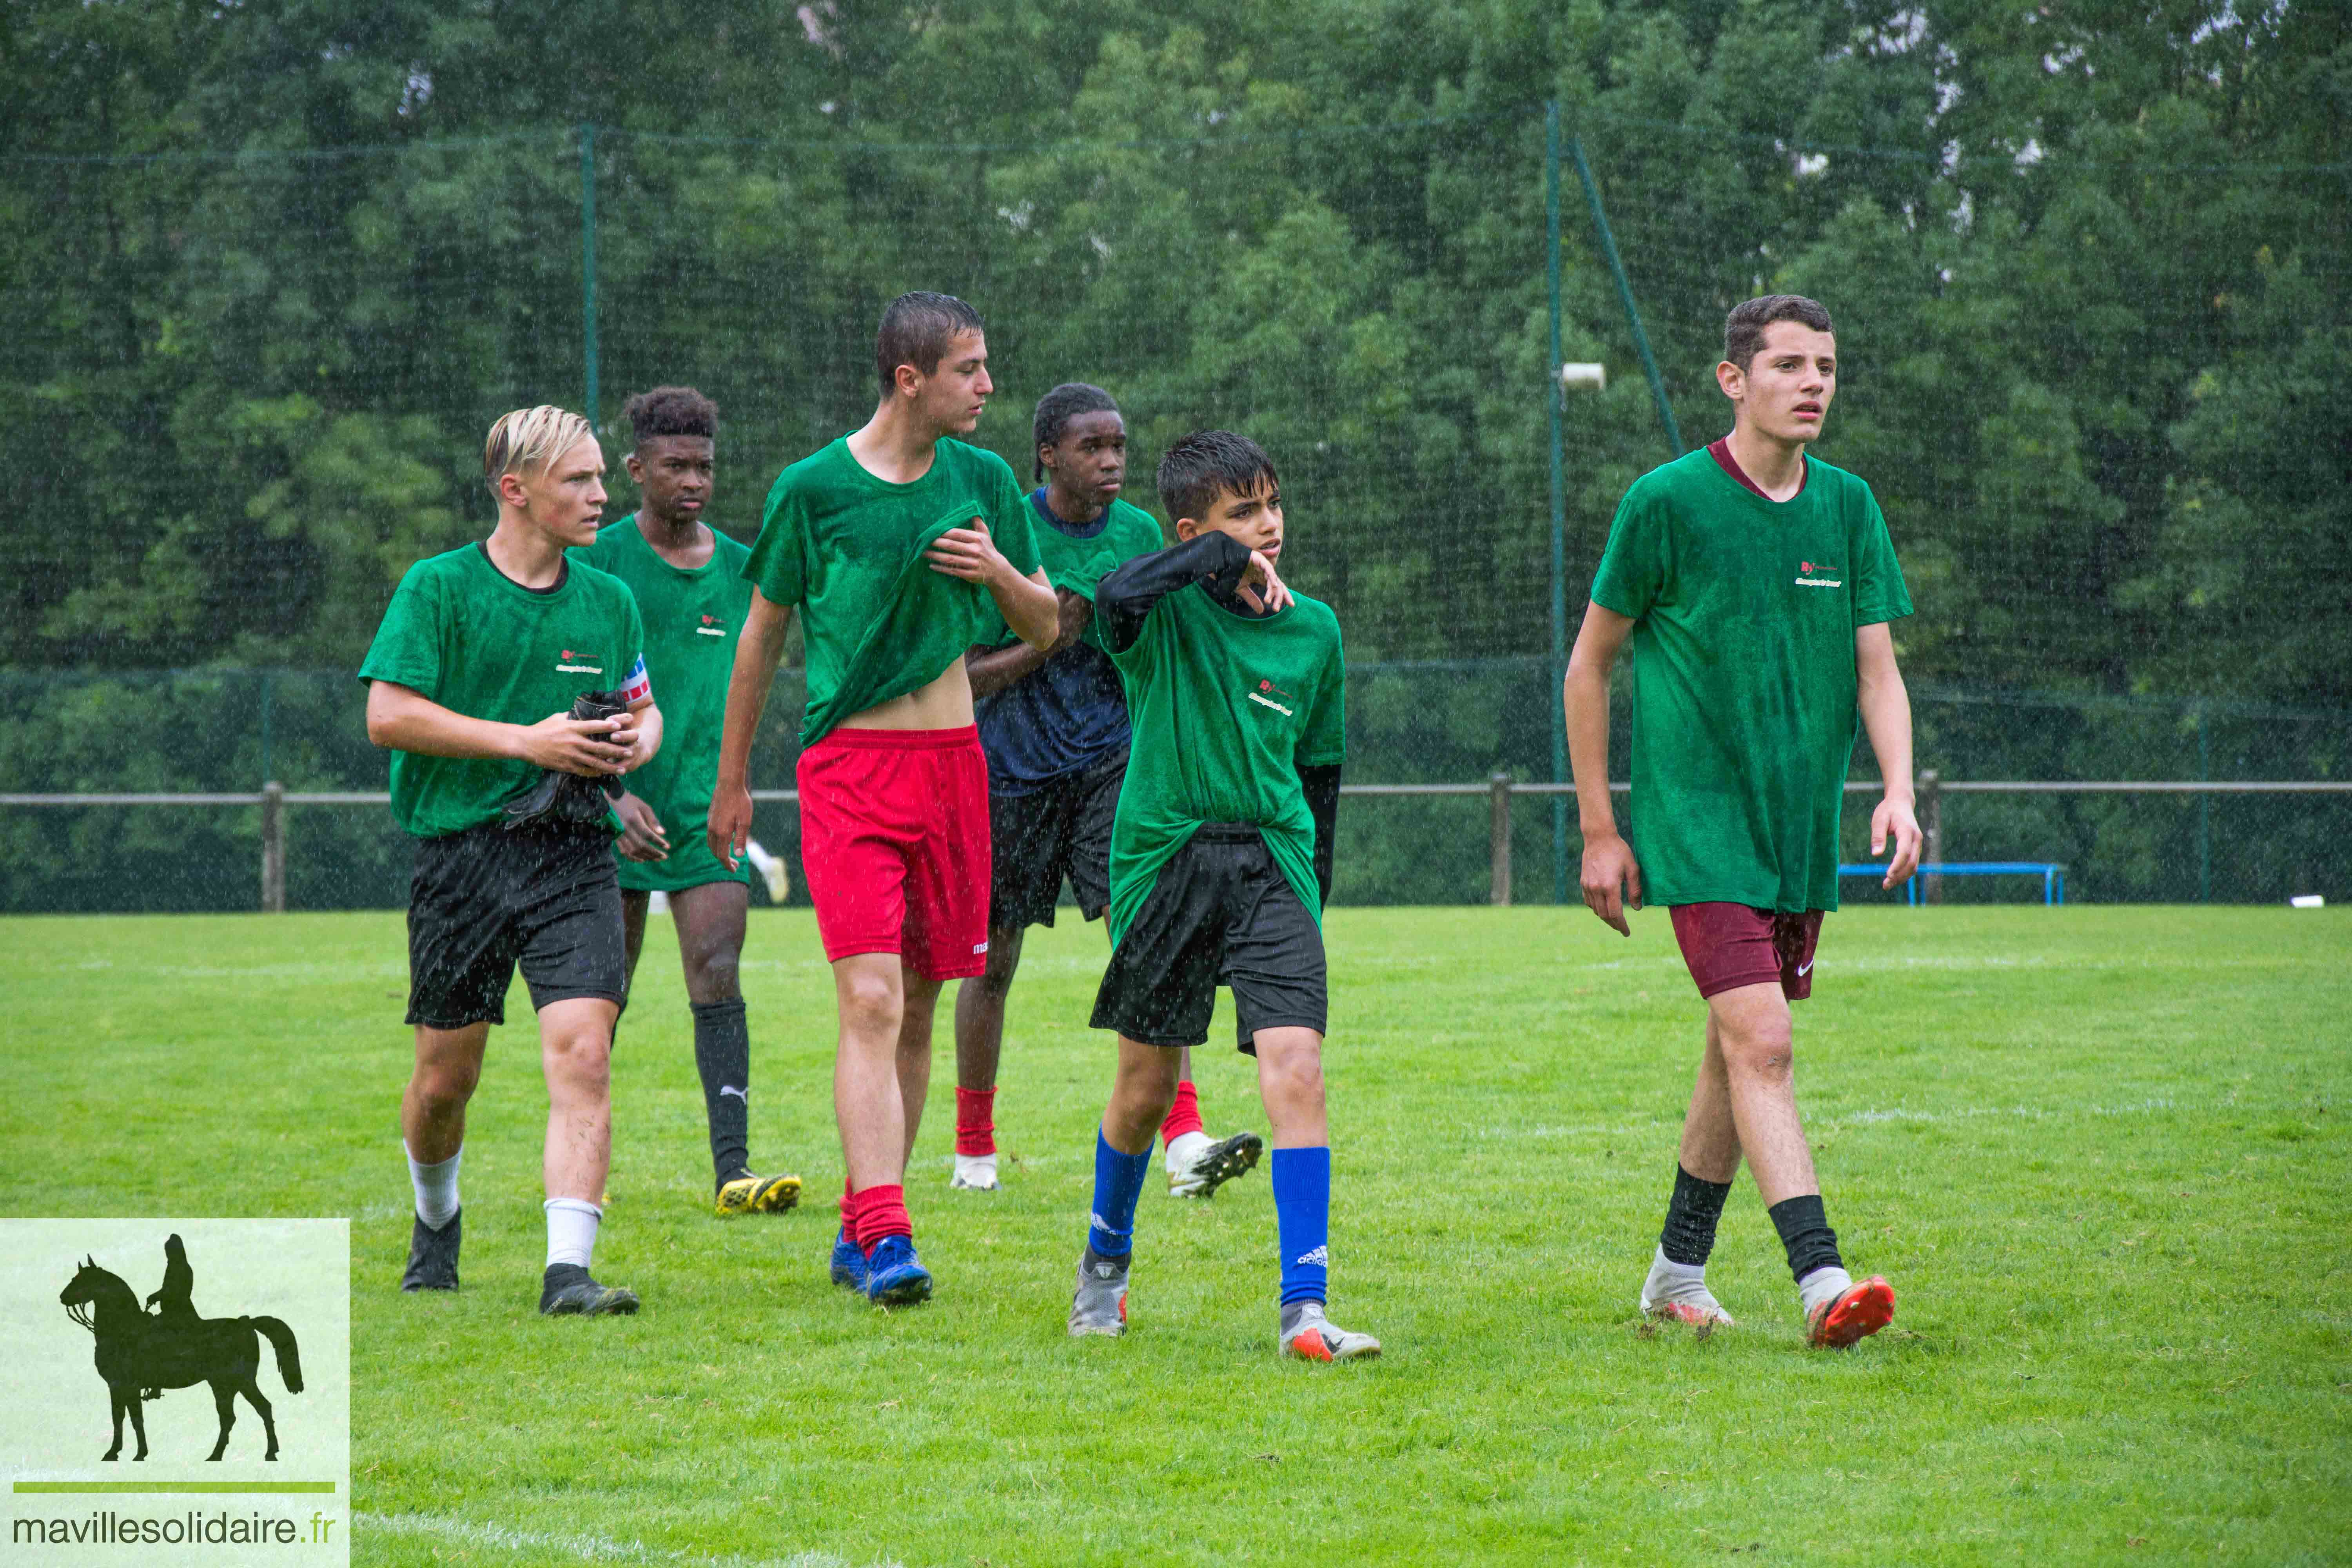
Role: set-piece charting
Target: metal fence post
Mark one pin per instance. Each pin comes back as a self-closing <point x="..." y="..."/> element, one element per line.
<point x="273" y="848"/>
<point x="1499" y="793"/>
<point x="1931" y="830"/>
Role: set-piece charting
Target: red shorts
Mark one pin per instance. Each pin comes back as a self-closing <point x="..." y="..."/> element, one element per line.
<point x="894" y="843"/>
<point x="1728" y="945"/>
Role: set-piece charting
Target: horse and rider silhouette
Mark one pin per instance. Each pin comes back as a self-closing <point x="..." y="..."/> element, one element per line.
<point x="141" y="1353"/>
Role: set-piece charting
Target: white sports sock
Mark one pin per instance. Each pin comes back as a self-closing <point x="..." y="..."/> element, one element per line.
<point x="1680" y="1282"/>
<point x="572" y="1230"/>
<point x="437" y="1188"/>
<point x="762" y="862"/>
<point x="1185" y="1148"/>
<point x="1822" y="1285"/>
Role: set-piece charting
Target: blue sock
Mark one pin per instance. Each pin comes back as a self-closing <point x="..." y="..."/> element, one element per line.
<point x="1118" y="1182"/>
<point x="1302" y="1215"/>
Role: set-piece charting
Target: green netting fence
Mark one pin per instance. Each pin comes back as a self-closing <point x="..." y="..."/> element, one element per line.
<point x="2092" y="386"/>
<point x="1412" y="722"/>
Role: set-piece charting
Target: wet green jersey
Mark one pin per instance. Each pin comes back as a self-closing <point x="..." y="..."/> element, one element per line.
<point x="1744" y="681"/>
<point x="466" y="635"/>
<point x="692" y="617"/>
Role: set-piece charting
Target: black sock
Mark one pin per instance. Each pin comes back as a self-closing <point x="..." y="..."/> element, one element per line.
<point x="722" y="1055"/>
<point x="1689" y="1235"/>
<point x="1805" y="1232"/>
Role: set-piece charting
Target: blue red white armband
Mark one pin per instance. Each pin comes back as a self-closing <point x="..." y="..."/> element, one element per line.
<point x="639" y="685"/>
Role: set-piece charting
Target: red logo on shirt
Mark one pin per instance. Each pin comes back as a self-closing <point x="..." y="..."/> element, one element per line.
<point x="567" y="653"/>
<point x="1266" y="686"/>
<point x="1804" y="565"/>
<point x="707" y="620"/>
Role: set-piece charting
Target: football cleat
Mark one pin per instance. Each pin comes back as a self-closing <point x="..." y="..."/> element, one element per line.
<point x="848" y="1263"/>
<point x="1855" y="1313"/>
<point x="1315" y="1337"/>
<point x="566" y="1290"/>
<point x="974" y="1174"/>
<point x="432" y="1254"/>
<point x="1214" y="1165"/>
<point x="1100" y="1305"/>
<point x="1671" y="1295"/>
<point x="895" y="1277"/>
<point x="748" y="1194"/>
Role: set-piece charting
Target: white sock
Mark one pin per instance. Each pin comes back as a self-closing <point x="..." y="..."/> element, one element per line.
<point x="1683" y="1282"/>
<point x="437" y="1188"/>
<point x="762" y="862"/>
<point x="572" y="1230"/>
<point x="1822" y="1285"/>
<point x="1185" y="1148"/>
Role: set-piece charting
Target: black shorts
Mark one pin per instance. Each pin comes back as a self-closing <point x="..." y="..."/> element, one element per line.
<point x="486" y="897"/>
<point x="1220" y="914"/>
<point x="1061" y="828"/>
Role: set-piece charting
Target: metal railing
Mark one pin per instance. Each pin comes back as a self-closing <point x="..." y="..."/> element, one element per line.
<point x="273" y="798"/>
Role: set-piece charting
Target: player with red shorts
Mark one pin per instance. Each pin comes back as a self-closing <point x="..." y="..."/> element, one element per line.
<point x="1755" y="582"/>
<point x="901" y="548"/>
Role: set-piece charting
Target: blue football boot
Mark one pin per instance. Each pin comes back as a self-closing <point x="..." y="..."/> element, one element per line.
<point x="848" y="1263"/>
<point x="894" y="1276"/>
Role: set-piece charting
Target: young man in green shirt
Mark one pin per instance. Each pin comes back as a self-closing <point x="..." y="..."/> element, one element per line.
<point x="1756" y="583"/>
<point x="902" y="547"/>
<point x="1220" y="862"/>
<point x="1053" y="724"/>
<point x="689" y="582"/>
<point x="516" y="862"/>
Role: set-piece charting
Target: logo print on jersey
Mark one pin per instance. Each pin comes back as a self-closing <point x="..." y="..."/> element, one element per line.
<point x="1818" y="575"/>
<point x="1260" y="696"/>
<point x="710" y="627"/>
<point x="575" y="663"/>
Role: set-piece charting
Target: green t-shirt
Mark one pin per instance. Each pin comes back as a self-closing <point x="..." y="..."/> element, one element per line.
<point x="465" y="635"/>
<point x="692" y="618"/>
<point x="1744" y="686"/>
<point x="1078" y="564"/>
<point x="847" y="549"/>
<point x="1227" y="707"/>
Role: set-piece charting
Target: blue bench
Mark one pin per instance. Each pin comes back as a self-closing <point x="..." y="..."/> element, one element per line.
<point x="2053" y="875"/>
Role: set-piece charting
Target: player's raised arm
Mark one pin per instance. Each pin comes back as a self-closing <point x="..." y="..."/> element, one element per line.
<point x="757" y="653"/>
<point x="1612" y="879"/>
<point x="1223" y="564"/>
<point x="1885" y="707"/>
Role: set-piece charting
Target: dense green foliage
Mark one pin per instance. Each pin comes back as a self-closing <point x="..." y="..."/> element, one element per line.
<point x="2101" y="1153"/>
<point x="270" y="269"/>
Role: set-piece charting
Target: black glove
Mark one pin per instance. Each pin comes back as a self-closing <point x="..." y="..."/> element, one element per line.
<point x="561" y="797"/>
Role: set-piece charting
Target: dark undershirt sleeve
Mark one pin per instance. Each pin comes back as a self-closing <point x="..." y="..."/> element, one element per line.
<point x="1124" y="599"/>
<point x="1321" y="787"/>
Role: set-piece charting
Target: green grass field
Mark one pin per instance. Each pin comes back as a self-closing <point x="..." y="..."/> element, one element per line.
<point x="2101" y="1152"/>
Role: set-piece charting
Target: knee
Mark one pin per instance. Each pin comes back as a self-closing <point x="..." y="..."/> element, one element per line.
<point x="871" y="1006"/>
<point x="714" y="976"/>
<point x="580" y="1057"/>
<point x="1297" y="1077"/>
<point x="1762" y="1051"/>
<point x="446" y="1085"/>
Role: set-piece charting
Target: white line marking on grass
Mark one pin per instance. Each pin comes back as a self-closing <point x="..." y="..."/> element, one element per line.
<point x="578" y="1548"/>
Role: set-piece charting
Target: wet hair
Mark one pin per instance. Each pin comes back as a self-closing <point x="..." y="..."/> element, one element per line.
<point x="1058" y="407"/>
<point x="917" y="329"/>
<point x="1743" y="330"/>
<point x="671" y="411"/>
<point x="527" y="439"/>
<point x="1207" y="464"/>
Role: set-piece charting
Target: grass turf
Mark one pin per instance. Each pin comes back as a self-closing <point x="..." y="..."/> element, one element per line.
<point x="2101" y="1152"/>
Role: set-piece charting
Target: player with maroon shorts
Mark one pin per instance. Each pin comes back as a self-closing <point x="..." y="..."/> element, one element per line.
<point x="902" y="547"/>
<point x="1756" y="583"/>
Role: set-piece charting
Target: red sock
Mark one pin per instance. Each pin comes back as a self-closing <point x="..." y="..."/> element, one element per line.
<point x="881" y="1212"/>
<point x="1184" y="1116"/>
<point x="975" y="1121"/>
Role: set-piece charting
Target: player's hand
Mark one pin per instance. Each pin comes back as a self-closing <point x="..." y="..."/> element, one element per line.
<point x="592" y="748"/>
<point x="1896" y="816"/>
<point x="730" y="824"/>
<point x="969" y="553"/>
<point x="642" y="835"/>
<point x="1261" y="589"/>
<point x="1609" y="861"/>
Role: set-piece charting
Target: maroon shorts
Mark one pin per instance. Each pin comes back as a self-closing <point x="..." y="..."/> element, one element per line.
<point x="894" y="843"/>
<point x="1729" y="946"/>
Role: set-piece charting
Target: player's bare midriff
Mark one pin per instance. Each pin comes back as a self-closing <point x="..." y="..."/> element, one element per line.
<point x="944" y="704"/>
